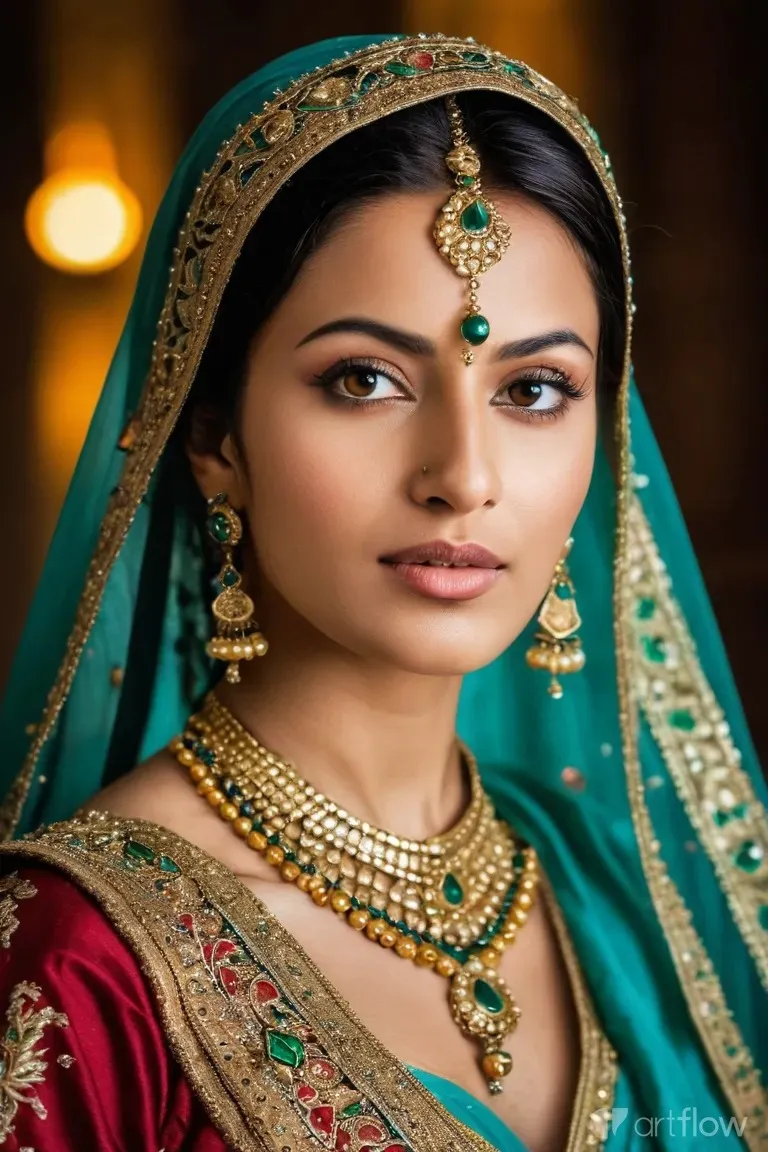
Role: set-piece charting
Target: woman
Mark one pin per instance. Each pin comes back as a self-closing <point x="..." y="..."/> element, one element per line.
<point x="395" y="338"/>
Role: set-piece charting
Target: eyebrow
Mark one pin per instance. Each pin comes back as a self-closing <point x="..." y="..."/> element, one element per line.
<point x="420" y="346"/>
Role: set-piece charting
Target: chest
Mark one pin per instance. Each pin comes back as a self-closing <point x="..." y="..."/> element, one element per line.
<point x="407" y="1009"/>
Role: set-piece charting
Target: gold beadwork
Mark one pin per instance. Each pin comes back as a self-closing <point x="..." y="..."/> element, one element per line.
<point x="238" y="637"/>
<point x="406" y="879"/>
<point x="558" y="650"/>
<point x="469" y="231"/>
<point x="481" y="1003"/>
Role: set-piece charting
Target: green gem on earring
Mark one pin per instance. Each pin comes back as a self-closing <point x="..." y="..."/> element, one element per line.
<point x="219" y="527"/>
<point x="475" y="329"/>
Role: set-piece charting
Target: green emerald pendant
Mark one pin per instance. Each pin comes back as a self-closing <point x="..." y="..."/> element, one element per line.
<point x="475" y="329"/>
<point x="475" y="217"/>
<point x="487" y="997"/>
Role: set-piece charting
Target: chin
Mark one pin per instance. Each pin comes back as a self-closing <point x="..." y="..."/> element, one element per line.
<point x="444" y="653"/>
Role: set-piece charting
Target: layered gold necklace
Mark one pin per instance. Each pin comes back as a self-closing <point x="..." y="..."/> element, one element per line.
<point x="452" y="903"/>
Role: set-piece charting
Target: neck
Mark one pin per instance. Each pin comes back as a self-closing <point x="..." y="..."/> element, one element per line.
<point x="379" y="742"/>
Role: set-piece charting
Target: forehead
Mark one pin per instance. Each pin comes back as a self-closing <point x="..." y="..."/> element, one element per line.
<point x="382" y="261"/>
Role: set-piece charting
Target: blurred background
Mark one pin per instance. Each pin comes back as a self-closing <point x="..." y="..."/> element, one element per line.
<point x="677" y="90"/>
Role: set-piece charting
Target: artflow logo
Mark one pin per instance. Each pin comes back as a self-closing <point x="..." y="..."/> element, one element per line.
<point x="687" y="1124"/>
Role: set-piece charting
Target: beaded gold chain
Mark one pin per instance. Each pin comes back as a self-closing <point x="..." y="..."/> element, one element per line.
<point x="352" y="867"/>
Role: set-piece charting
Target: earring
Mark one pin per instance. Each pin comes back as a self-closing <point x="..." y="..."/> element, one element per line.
<point x="558" y="651"/>
<point x="238" y="637"/>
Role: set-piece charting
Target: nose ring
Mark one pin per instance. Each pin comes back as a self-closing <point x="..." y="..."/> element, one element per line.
<point x="425" y="468"/>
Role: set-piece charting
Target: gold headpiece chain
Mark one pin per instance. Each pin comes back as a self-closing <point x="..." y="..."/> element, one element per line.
<point x="469" y="231"/>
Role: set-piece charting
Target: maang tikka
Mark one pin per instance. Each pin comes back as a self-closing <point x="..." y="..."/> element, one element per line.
<point x="469" y="231"/>
<point x="558" y="650"/>
<point x="238" y="637"/>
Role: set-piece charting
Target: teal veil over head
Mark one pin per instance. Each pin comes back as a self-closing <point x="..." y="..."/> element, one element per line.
<point x="639" y="789"/>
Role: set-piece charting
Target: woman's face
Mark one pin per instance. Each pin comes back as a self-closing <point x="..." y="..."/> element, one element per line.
<point x="337" y="425"/>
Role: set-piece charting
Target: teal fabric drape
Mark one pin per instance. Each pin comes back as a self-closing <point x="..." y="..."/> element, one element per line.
<point x="152" y="622"/>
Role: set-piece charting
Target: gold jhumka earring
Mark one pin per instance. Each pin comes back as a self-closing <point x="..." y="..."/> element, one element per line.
<point x="469" y="231"/>
<point x="558" y="651"/>
<point x="238" y="637"/>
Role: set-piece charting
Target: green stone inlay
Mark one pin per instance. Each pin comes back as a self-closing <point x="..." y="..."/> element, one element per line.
<point x="475" y="217"/>
<point x="467" y="181"/>
<point x="722" y="816"/>
<point x="136" y="851"/>
<point x="475" y="329"/>
<point x="352" y="1109"/>
<point x="452" y="890"/>
<point x="12" y="1035"/>
<point x="749" y="856"/>
<point x="653" y="647"/>
<point x="229" y="577"/>
<point x="168" y="865"/>
<point x="398" y="69"/>
<point x="762" y="916"/>
<point x="563" y="592"/>
<point x="487" y="997"/>
<point x="515" y="68"/>
<point x="285" y="1049"/>
<point x="219" y="527"/>
<point x="682" y="718"/>
<point x="645" y="608"/>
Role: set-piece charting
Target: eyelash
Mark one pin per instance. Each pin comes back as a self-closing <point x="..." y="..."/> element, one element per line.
<point x="555" y="377"/>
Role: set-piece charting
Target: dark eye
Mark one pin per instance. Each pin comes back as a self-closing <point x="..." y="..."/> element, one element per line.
<point x="526" y="393"/>
<point x="358" y="382"/>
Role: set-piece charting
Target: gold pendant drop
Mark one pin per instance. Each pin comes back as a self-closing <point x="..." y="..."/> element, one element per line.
<point x="485" y="1010"/>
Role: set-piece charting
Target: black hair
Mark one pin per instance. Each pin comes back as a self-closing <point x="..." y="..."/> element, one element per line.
<point x="521" y="149"/>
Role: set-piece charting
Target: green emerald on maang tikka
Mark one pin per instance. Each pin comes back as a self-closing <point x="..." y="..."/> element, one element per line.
<point x="469" y="231"/>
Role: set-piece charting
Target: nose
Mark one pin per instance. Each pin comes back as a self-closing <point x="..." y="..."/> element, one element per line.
<point x="456" y="446"/>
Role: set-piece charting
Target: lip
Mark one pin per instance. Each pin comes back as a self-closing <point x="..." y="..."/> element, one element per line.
<point x="442" y="550"/>
<point x="443" y="583"/>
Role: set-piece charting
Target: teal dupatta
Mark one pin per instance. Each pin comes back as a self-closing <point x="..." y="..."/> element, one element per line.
<point x="655" y="841"/>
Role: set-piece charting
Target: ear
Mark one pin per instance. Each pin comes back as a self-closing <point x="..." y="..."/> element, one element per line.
<point x="221" y="471"/>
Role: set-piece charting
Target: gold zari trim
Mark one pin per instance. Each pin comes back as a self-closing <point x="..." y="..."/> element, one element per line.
<point x="21" y="1065"/>
<point x="276" y="1055"/>
<point x="691" y="730"/>
<point x="720" y="1035"/>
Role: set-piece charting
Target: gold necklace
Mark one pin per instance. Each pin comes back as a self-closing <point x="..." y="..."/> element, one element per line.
<point x="468" y="891"/>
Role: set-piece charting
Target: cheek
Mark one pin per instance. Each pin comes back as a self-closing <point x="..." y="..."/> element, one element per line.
<point x="546" y="485"/>
<point x="313" y="487"/>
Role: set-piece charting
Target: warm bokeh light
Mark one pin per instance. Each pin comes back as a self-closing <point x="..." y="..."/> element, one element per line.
<point x="82" y="220"/>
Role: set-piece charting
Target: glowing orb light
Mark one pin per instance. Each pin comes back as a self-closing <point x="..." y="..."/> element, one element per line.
<point x="82" y="218"/>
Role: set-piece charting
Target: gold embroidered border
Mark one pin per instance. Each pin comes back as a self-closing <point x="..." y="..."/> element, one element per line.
<point x="218" y="1041"/>
<point x="691" y="730"/>
<point x="248" y="171"/>
<point x="14" y="889"/>
<point x="591" y="1119"/>
<point x="21" y="1065"/>
<point x="720" y="1035"/>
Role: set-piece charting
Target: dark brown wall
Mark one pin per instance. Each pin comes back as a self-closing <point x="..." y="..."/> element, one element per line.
<point x="686" y="127"/>
<point x="680" y="101"/>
